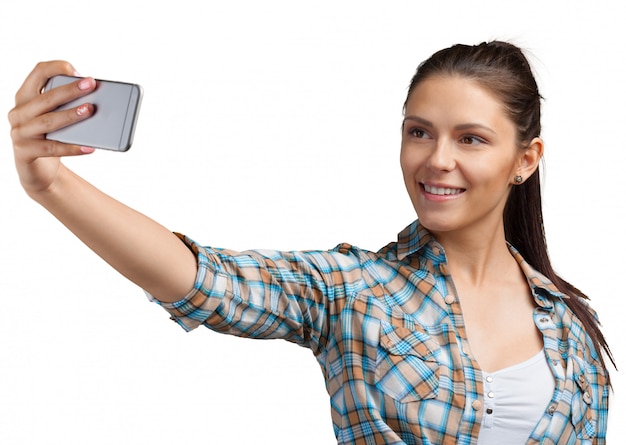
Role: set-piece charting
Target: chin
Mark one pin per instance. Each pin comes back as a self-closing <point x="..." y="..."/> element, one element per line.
<point x="436" y="225"/>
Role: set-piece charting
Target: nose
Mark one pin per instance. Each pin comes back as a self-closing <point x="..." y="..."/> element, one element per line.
<point x="442" y="156"/>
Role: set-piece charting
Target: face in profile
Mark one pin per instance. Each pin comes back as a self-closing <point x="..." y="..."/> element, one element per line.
<point x="459" y="155"/>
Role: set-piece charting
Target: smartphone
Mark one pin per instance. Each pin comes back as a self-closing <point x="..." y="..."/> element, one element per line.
<point x="112" y="126"/>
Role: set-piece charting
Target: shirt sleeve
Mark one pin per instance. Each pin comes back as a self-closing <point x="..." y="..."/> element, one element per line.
<point x="294" y="296"/>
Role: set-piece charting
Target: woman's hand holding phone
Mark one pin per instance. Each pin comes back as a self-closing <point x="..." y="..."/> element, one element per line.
<point x="38" y="159"/>
<point x="139" y="248"/>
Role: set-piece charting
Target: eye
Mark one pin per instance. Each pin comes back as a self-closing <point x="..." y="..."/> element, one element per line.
<point x="418" y="133"/>
<point x="471" y="139"/>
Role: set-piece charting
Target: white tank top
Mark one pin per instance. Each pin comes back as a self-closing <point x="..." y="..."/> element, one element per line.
<point x="515" y="399"/>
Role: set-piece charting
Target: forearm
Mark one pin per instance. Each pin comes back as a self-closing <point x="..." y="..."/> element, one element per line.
<point x="139" y="248"/>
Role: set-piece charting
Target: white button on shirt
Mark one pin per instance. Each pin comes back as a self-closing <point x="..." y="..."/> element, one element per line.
<point x="515" y="399"/>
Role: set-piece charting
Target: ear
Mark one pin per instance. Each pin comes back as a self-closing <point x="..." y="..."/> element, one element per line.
<point x="529" y="159"/>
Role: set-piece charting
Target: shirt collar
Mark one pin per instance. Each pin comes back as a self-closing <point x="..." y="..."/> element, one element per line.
<point x="537" y="280"/>
<point x="415" y="237"/>
<point x="412" y="239"/>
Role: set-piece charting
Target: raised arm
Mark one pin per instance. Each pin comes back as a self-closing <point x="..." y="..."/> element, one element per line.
<point x="138" y="247"/>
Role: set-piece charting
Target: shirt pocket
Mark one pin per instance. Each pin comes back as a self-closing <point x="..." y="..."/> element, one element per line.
<point x="584" y="415"/>
<point x="407" y="368"/>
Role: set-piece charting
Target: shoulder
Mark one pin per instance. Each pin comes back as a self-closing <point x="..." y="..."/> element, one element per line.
<point x="389" y="252"/>
<point x="573" y="336"/>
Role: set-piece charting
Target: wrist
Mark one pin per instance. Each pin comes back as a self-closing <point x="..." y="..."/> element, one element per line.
<point x="53" y="191"/>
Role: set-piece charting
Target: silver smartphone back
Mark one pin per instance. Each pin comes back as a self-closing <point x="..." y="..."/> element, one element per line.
<point x="112" y="125"/>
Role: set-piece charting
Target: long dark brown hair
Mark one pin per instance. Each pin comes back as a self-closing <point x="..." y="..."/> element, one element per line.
<point x="503" y="69"/>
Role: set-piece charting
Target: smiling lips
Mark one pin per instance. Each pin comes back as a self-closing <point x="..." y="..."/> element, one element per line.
<point x="442" y="191"/>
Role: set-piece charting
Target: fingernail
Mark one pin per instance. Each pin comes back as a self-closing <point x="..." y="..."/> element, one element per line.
<point x="84" y="84"/>
<point x="87" y="150"/>
<point x="82" y="110"/>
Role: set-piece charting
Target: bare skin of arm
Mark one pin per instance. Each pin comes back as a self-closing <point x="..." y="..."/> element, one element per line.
<point x="139" y="248"/>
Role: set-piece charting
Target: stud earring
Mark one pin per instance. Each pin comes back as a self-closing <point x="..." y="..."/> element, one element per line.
<point x="518" y="179"/>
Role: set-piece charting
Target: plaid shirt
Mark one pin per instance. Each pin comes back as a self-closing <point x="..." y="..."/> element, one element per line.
<point x="387" y="331"/>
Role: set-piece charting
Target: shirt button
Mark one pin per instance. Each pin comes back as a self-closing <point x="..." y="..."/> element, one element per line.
<point x="450" y="299"/>
<point x="587" y="398"/>
<point x="491" y="394"/>
<point x="477" y="405"/>
<point x="489" y="379"/>
<point x="551" y="409"/>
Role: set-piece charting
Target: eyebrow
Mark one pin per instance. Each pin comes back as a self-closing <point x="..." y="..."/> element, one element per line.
<point x="428" y="123"/>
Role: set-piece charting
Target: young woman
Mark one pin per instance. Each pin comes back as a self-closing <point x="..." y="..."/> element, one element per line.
<point x="460" y="332"/>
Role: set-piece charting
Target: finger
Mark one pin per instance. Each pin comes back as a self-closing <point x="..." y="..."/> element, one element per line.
<point x="52" y="148"/>
<point x="54" y="98"/>
<point x="58" y="96"/>
<point x="38" y="77"/>
<point x="47" y="148"/>
<point x="40" y="126"/>
<point x="50" y="100"/>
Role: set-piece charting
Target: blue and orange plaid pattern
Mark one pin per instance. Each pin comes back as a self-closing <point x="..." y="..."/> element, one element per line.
<point x="387" y="330"/>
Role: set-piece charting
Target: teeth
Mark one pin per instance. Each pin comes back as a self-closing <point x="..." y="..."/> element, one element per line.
<point x="441" y="190"/>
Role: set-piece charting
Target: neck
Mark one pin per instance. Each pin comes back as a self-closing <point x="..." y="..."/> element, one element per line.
<point x="478" y="258"/>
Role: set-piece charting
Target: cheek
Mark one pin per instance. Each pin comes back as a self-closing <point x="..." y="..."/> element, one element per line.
<point x="408" y="173"/>
<point x="488" y="179"/>
<point x="403" y="161"/>
<point x="492" y="168"/>
<point x="408" y="170"/>
<point x="409" y="161"/>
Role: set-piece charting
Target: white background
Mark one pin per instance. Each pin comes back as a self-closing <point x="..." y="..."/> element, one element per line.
<point x="269" y="124"/>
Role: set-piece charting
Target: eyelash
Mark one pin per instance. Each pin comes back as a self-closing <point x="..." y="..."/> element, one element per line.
<point x="475" y="138"/>
<point x="463" y="139"/>
<point x="412" y="132"/>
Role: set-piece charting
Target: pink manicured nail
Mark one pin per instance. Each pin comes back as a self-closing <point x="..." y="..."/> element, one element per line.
<point x="87" y="150"/>
<point x="82" y="110"/>
<point x="84" y="84"/>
